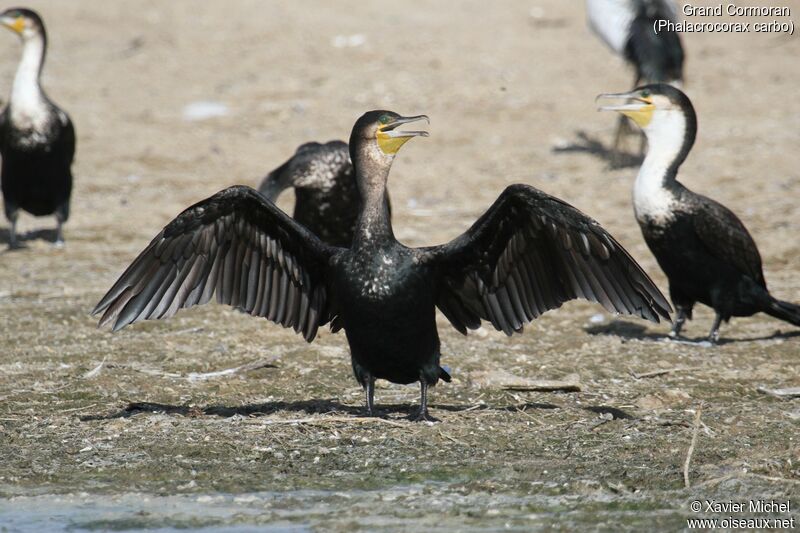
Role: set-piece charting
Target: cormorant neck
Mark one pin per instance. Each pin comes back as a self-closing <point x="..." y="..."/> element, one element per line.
<point x="26" y="91"/>
<point x="670" y="137"/>
<point x="372" y="172"/>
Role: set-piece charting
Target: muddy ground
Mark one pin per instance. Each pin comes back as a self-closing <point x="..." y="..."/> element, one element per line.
<point x="510" y="94"/>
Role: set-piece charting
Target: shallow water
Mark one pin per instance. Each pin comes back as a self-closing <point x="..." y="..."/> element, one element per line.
<point x="424" y="506"/>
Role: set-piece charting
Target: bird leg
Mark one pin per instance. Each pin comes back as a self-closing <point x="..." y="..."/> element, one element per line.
<point x="59" y="234"/>
<point x="679" y="321"/>
<point x="62" y="213"/>
<point x="713" y="336"/>
<point x="369" y="387"/>
<point x="12" y="235"/>
<point x="422" y="415"/>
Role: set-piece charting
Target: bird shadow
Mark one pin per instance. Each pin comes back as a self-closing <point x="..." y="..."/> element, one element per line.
<point x="777" y="334"/>
<point x="310" y="407"/>
<point x="624" y="329"/>
<point x="49" y="235"/>
<point x="630" y="330"/>
<point x="586" y="144"/>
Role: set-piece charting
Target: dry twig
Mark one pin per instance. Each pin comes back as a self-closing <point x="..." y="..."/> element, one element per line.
<point x="691" y="447"/>
<point x="791" y="392"/>
<point x="335" y="419"/>
<point x="663" y="371"/>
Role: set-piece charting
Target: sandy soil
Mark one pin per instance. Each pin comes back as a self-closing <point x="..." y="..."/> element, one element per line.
<point x="504" y="89"/>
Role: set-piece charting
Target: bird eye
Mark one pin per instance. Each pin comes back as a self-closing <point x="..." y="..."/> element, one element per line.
<point x="384" y="119"/>
<point x="645" y="93"/>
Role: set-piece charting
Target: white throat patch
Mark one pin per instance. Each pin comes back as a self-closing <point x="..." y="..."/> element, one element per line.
<point x="652" y="200"/>
<point x="28" y="107"/>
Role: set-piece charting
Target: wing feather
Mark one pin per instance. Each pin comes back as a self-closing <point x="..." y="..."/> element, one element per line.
<point x="726" y="237"/>
<point x="529" y="253"/>
<point x="237" y="245"/>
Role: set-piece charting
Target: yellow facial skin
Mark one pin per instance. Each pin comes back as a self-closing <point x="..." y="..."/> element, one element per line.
<point x="390" y="145"/>
<point x="18" y="25"/>
<point x="642" y="116"/>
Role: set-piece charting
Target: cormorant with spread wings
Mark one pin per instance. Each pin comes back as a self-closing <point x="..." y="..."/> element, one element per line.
<point x="530" y="252"/>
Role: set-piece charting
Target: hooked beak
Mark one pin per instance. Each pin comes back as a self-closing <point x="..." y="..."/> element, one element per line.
<point x="390" y="139"/>
<point x="637" y="104"/>
<point x="16" y="24"/>
<point x="639" y="109"/>
<point x="389" y="129"/>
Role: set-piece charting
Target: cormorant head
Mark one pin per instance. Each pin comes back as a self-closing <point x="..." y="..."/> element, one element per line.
<point x="25" y="22"/>
<point x="659" y="109"/>
<point x="375" y="135"/>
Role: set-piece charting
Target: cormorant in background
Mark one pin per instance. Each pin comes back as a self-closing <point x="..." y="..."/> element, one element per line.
<point x="703" y="248"/>
<point x="37" y="140"/>
<point x="528" y="253"/>
<point x="626" y="26"/>
<point x="326" y="196"/>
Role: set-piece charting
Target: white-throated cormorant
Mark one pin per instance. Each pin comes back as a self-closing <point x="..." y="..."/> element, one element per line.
<point x="528" y="253"/>
<point x="37" y="140"/>
<point x="627" y="27"/>
<point x="326" y="195"/>
<point x="703" y="248"/>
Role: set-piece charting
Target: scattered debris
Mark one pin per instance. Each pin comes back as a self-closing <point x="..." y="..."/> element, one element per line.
<point x="665" y="399"/>
<point x="96" y="370"/>
<point x="506" y="381"/>
<point x="263" y="363"/>
<point x="349" y="41"/>
<point x="203" y="110"/>
<point x="791" y="392"/>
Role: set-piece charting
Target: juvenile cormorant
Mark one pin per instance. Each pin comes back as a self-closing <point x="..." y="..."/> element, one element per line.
<point x="530" y="252"/>
<point x="326" y="196"/>
<point x="37" y="140"/>
<point x="703" y="248"/>
<point x="627" y="28"/>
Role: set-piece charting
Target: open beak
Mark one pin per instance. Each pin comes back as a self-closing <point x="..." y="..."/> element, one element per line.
<point x="638" y="109"/>
<point x="390" y="139"/>
<point x="638" y="104"/>
<point x="391" y="131"/>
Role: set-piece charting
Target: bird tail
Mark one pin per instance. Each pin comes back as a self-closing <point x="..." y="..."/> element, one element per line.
<point x="444" y="375"/>
<point x="785" y="311"/>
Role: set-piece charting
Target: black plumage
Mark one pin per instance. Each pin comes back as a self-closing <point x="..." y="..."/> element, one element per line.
<point x="656" y="57"/>
<point x="326" y="196"/>
<point x="704" y="249"/>
<point x="628" y="27"/>
<point x="528" y="253"/>
<point x="37" y="139"/>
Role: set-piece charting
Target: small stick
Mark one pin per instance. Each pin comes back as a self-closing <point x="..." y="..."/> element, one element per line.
<point x="335" y="419"/>
<point x="774" y="478"/>
<point x="543" y="386"/>
<point x="661" y="372"/>
<point x="791" y="392"/>
<point x="195" y="376"/>
<point x="452" y="439"/>
<point x="691" y="448"/>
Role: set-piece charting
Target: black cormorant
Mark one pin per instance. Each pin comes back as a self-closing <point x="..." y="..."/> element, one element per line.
<point x="326" y="196"/>
<point x="627" y="27"/>
<point x="703" y="248"/>
<point x="528" y="253"/>
<point x="37" y="140"/>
